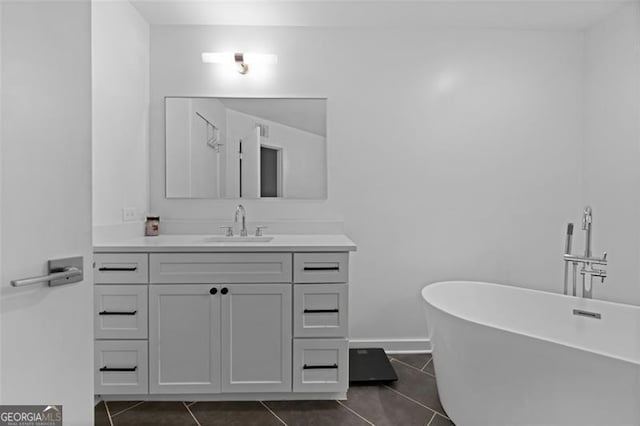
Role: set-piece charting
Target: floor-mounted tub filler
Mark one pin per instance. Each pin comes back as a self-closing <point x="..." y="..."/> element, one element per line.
<point x="505" y="355"/>
<point x="591" y="267"/>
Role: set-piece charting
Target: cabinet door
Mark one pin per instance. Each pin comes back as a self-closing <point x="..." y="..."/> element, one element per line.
<point x="256" y="338"/>
<point x="184" y="338"/>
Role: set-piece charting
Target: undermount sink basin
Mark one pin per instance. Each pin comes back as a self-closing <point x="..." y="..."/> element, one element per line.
<point x="237" y="239"/>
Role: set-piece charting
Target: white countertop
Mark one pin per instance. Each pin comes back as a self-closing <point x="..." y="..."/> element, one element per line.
<point x="198" y="243"/>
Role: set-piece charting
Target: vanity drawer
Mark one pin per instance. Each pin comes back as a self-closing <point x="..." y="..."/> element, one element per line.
<point x="120" y="311"/>
<point x="121" y="268"/>
<point x="320" y="365"/>
<point x="209" y="268"/>
<point x="321" y="267"/>
<point x="121" y="367"/>
<point x="320" y="310"/>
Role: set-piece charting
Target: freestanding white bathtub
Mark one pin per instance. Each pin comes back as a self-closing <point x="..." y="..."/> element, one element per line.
<point x="511" y="356"/>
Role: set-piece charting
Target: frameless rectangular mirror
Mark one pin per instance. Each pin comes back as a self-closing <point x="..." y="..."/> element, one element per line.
<point x="245" y="148"/>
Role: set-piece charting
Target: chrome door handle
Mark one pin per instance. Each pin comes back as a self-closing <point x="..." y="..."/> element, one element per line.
<point x="61" y="271"/>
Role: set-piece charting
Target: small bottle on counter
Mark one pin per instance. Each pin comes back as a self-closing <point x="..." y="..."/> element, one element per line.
<point x="152" y="226"/>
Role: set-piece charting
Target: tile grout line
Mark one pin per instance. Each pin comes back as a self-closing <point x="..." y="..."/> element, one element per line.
<point x="426" y="367"/>
<point x="431" y="420"/>
<point x="190" y="404"/>
<point x="272" y="412"/>
<point x="430" y="357"/>
<point x="412" y="400"/>
<point x="415" y="368"/>
<point x="194" y="417"/>
<point x="108" y="413"/>
<point x="354" y="412"/>
<point x="427" y="363"/>
<point x="128" y="408"/>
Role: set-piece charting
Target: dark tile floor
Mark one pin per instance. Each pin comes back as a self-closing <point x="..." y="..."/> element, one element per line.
<point x="412" y="400"/>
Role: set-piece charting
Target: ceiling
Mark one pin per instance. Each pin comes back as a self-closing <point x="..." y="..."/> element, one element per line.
<point x="301" y="113"/>
<point x="499" y="14"/>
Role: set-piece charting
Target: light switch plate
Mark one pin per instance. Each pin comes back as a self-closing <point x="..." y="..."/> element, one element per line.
<point x="129" y="214"/>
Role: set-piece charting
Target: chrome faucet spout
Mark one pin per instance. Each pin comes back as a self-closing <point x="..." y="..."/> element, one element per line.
<point x="241" y="211"/>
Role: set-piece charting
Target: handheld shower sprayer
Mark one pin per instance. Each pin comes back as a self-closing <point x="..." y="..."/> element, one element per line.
<point x="567" y="250"/>
<point x="586" y="226"/>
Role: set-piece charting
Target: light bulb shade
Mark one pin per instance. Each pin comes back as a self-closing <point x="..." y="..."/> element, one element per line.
<point x="218" y="58"/>
<point x="260" y="59"/>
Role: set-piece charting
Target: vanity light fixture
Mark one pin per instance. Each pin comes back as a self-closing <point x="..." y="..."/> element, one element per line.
<point x="241" y="60"/>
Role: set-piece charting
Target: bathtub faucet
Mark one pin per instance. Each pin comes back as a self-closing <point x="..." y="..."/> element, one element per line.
<point x="590" y="266"/>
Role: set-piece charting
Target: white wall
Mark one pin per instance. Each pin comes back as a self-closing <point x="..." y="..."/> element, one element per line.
<point x="47" y="333"/>
<point x="612" y="150"/>
<point x="452" y="154"/>
<point x="120" y="72"/>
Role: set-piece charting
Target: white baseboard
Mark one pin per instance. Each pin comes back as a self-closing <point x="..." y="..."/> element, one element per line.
<point x="396" y="346"/>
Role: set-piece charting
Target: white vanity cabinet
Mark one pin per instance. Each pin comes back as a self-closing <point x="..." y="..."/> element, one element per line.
<point x="222" y="324"/>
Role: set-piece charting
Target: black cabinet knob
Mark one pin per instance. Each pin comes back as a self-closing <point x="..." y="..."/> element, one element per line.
<point x="224" y="290"/>
<point x="213" y="291"/>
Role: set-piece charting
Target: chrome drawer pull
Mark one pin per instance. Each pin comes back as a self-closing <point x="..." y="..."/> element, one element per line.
<point x="321" y="268"/>
<point x="320" y="311"/>
<point x="126" y="369"/>
<point x="117" y="313"/>
<point x="319" y="367"/>
<point x="123" y="269"/>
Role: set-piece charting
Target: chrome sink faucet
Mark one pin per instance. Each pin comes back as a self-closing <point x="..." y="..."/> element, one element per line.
<point x="587" y="261"/>
<point x="241" y="211"/>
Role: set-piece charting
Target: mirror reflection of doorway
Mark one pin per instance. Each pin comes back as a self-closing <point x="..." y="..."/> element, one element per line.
<point x="270" y="171"/>
<point x="295" y="127"/>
